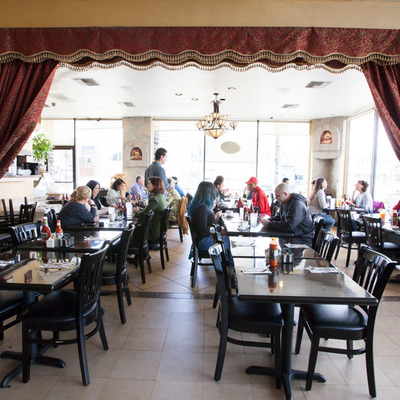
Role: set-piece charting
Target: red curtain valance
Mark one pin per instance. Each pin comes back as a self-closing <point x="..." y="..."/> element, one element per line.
<point x="203" y="45"/>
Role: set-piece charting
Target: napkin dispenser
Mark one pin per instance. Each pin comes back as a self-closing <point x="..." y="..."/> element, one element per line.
<point x="65" y="240"/>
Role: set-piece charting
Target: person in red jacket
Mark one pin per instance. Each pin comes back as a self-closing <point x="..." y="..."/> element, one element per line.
<point x="260" y="199"/>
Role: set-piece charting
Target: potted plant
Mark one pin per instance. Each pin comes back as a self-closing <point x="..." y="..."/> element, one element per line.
<point x="41" y="147"/>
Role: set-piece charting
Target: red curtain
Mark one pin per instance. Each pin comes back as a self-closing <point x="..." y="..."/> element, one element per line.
<point x="384" y="82"/>
<point x="23" y="92"/>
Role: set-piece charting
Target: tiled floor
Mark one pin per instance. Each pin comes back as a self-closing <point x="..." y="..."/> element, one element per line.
<point x="167" y="349"/>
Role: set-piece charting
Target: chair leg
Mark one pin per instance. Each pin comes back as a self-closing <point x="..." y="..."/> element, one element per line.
<point x="166" y="251"/>
<point x="126" y="289"/>
<point x="193" y="272"/>
<point x="26" y="354"/>
<point x="369" y="358"/>
<point x="180" y="234"/>
<point x="82" y="355"/>
<point x="337" y="251"/>
<point x="1" y="331"/>
<point x="349" y="347"/>
<point x="141" y="265"/>
<point x="162" y="255"/>
<point x="348" y="255"/>
<point x="223" y="340"/>
<point x="120" y="299"/>
<point x="299" y="338"/>
<point x="102" y="332"/>
<point x="312" y="361"/>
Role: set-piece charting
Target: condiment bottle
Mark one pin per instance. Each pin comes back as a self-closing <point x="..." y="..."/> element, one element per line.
<point x="45" y="233"/>
<point x="395" y="218"/>
<point x="273" y="253"/>
<point x="59" y="231"/>
<point x="240" y="203"/>
<point x="245" y="213"/>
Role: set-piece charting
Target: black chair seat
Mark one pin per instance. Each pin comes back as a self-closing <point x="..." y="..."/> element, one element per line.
<point x="57" y="309"/>
<point x="10" y="303"/>
<point x="336" y="321"/>
<point x="253" y="317"/>
<point x="357" y="236"/>
<point x="109" y="270"/>
<point x="391" y="247"/>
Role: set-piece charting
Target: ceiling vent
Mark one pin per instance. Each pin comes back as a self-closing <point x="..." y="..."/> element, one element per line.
<point x="87" y="82"/>
<point x="46" y="105"/>
<point x="60" y="97"/>
<point x="290" y="105"/>
<point x="127" y="104"/>
<point x="317" y="85"/>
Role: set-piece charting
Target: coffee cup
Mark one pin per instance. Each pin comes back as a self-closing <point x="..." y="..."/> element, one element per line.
<point x="111" y="217"/>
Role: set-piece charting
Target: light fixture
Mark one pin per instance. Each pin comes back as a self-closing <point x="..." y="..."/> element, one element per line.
<point x="215" y="125"/>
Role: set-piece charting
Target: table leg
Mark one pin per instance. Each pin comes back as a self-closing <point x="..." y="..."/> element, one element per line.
<point x="287" y="343"/>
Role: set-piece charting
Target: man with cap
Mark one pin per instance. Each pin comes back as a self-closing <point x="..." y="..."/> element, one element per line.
<point x="260" y="199"/>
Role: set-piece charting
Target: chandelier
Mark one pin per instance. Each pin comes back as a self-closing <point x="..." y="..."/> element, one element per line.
<point x="215" y="124"/>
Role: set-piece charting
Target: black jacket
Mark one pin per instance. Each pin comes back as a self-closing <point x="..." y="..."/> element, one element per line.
<point x="294" y="216"/>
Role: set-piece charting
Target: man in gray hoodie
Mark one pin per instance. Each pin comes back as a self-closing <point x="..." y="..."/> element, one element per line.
<point x="294" y="215"/>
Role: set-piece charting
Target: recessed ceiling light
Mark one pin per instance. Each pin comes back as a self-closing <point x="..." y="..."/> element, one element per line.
<point x="231" y="88"/>
<point x="128" y="104"/>
<point x="178" y="94"/>
<point x="194" y="98"/>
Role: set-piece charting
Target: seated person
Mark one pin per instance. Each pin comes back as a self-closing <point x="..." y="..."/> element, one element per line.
<point x="203" y="217"/>
<point x="95" y="187"/>
<point x="248" y="193"/>
<point x="177" y="187"/>
<point x="75" y="211"/>
<point x="116" y="193"/>
<point x="317" y="203"/>
<point x="260" y="199"/>
<point x="362" y="198"/>
<point x="220" y="191"/>
<point x="294" y="215"/>
<point x="158" y="204"/>
<point x="173" y="198"/>
<point x="137" y="189"/>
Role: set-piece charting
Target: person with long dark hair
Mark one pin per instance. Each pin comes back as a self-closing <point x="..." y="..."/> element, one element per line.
<point x="203" y="217"/>
<point x="317" y="203"/>
<point x="116" y="193"/>
<point x="95" y="187"/>
<point x="157" y="203"/>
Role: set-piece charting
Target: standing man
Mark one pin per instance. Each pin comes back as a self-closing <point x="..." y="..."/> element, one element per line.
<point x="260" y="199"/>
<point x="294" y="215"/>
<point x="156" y="169"/>
<point x="138" y="188"/>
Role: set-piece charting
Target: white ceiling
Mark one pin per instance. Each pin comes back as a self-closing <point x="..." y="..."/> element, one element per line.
<point x="259" y="94"/>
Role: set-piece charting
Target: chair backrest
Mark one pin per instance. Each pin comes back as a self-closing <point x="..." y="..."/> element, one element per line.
<point x="215" y="252"/>
<point x="123" y="249"/>
<point x="373" y="232"/>
<point x="52" y="219"/>
<point x="318" y="224"/>
<point x="164" y="223"/>
<point x="25" y="232"/>
<point x="345" y="226"/>
<point x="89" y="279"/>
<point x="372" y="272"/>
<point x="192" y="232"/>
<point x="146" y="226"/>
<point x="326" y="245"/>
<point x="26" y="213"/>
<point x="6" y="214"/>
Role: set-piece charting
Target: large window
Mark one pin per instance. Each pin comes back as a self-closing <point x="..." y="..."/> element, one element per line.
<point x="284" y="152"/>
<point x="98" y="151"/>
<point x="359" y="151"/>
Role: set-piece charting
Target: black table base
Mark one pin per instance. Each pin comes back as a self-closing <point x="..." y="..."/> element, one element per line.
<point x="40" y="359"/>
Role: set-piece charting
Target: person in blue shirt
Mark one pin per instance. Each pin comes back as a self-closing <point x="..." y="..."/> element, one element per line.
<point x="177" y="187"/>
<point x="138" y="189"/>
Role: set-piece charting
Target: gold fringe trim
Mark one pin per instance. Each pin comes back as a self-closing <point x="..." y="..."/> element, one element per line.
<point x="194" y="56"/>
<point x="87" y="67"/>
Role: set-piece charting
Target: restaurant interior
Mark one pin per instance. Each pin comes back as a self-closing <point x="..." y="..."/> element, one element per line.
<point x="97" y="111"/>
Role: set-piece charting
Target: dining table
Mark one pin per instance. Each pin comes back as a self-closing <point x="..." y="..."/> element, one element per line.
<point x="34" y="272"/>
<point x="85" y="241"/>
<point x="305" y="281"/>
<point x="235" y="226"/>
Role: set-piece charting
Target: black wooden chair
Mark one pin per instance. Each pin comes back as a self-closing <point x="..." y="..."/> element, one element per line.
<point x="139" y="246"/>
<point x="375" y="238"/>
<point x="52" y="219"/>
<point x="318" y="225"/>
<point x="116" y="274"/>
<point x="250" y="317"/>
<point x="11" y="305"/>
<point x="349" y="323"/>
<point x="326" y="245"/>
<point x="346" y="233"/>
<point x="197" y="255"/>
<point x="64" y="310"/>
<point x="26" y="213"/>
<point x="162" y="240"/>
<point x="25" y="232"/>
